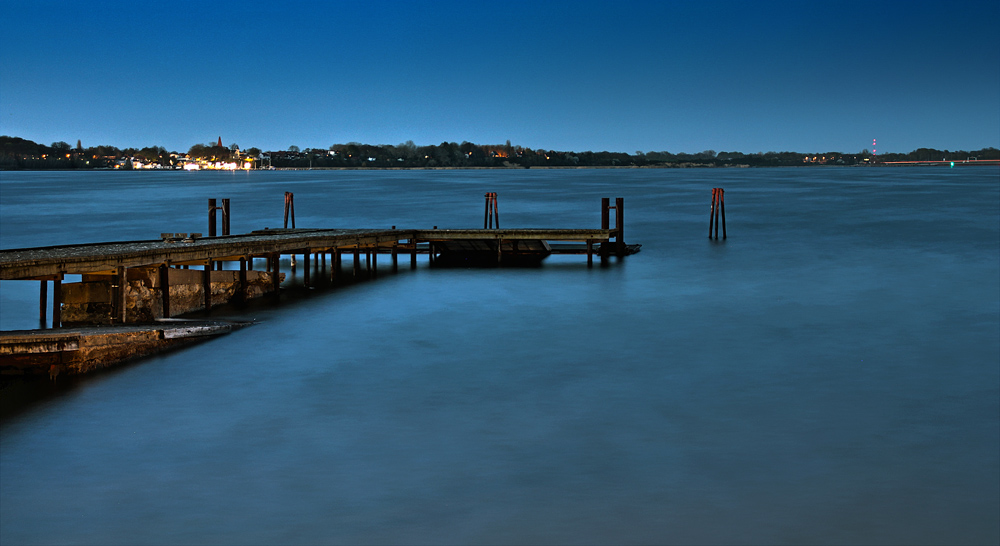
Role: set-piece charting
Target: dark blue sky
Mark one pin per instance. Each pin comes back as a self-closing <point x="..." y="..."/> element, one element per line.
<point x="582" y="75"/>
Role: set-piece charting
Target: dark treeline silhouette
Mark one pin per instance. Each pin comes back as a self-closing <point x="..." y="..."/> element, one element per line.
<point x="18" y="153"/>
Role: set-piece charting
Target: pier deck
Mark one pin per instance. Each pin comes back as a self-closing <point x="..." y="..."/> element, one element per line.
<point x="131" y="283"/>
<point x="45" y="263"/>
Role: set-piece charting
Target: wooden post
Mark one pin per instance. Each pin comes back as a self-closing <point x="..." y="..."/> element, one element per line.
<point x="395" y="259"/>
<point x="413" y="254"/>
<point x="225" y="216"/>
<point x="165" y="289"/>
<point x="620" y="226"/>
<point x="289" y="208"/>
<point x="243" y="278"/>
<point x="605" y="213"/>
<point x="722" y="205"/>
<point x="211" y="217"/>
<point x="57" y="301"/>
<point x="711" y="213"/>
<point x="275" y="259"/>
<point x="590" y="253"/>
<point x="305" y="268"/>
<point x="43" y="302"/>
<point x="206" y="284"/>
<point x="357" y="259"/>
<point x="717" y="207"/>
<point x="121" y="294"/>
<point x="375" y="260"/>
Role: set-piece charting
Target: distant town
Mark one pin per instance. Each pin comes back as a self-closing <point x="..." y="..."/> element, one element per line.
<point x="21" y="154"/>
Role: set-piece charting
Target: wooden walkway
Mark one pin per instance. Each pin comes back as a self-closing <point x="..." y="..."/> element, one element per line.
<point x="107" y="269"/>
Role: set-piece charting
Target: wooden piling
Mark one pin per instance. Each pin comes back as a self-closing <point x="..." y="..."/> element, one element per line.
<point x="243" y="278"/>
<point x="121" y="295"/>
<point x="289" y="208"/>
<point x="57" y="302"/>
<point x="225" y="216"/>
<point x="206" y="284"/>
<point x="590" y="253"/>
<point x="722" y="205"/>
<point x="165" y="289"/>
<point x="305" y="268"/>
<point x="211" y="217"/>
<point x="711" y="213"/>
<point x="620" y="226"/>
<point x="43" y="303"/>
<point x="275" y="260"/>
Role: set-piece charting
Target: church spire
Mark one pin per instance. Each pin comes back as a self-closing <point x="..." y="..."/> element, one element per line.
<point x="220" y="142"/>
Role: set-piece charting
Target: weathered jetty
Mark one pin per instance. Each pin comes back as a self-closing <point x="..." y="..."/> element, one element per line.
<point x="139" y="282"/>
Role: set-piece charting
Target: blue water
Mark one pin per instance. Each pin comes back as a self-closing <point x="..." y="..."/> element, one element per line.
<point x="830" y="374"/>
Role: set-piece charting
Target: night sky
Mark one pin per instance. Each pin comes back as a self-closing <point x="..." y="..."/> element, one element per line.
<point x="582" y="75"/>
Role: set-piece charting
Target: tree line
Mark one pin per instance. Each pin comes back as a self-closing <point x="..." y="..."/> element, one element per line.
<point x="19" y="153"/>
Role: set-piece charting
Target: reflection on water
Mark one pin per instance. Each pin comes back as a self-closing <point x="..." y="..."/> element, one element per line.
<point x="826" y="375"/>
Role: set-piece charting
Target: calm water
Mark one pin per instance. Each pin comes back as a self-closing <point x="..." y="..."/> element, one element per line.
<point x="830" y="374"/>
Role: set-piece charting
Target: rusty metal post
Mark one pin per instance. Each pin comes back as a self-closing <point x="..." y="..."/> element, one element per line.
<point x="206" y="284"/>
<point x="43" y="302"/>
<point x="57" y="301"/>
<point x="225" y="216"/>
<point x="211" y="217"/>
<point x="165" y="289"/>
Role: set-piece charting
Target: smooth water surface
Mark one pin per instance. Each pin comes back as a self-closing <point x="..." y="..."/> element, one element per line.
<point x="830" y="374"/>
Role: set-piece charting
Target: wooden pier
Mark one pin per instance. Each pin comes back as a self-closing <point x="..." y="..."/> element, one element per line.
<point x="142" y="281"/>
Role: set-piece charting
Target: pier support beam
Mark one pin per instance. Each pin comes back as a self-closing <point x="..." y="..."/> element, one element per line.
<point x="620" y="226"/>
<point x="57" y="301"/>
<point x="120" y="294"/>
<point x="243" y="279"/>
<point x="206" y="283"/>
<point x="165" y="289"/>
<point x="275" y="259"/>
<point x="305" y="268"/>
<point x="43" y="302"/>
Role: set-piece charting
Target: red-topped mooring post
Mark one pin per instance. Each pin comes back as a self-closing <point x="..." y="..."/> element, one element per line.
<point x="718" y="205"/>
<point x="491" y="211"/>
